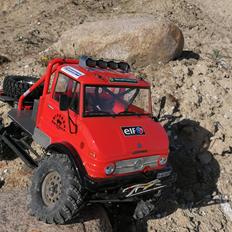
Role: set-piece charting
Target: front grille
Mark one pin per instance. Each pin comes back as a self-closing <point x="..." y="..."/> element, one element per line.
<point x="138" y="164"/>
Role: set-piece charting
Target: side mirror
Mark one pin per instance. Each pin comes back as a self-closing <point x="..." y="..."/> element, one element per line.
<point x="64" y="102"/>
<point x="162" y="102"/>
<point x="162" y="105"/>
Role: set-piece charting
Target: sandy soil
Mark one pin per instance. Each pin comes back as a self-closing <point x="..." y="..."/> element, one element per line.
<point x="197" y="87"/>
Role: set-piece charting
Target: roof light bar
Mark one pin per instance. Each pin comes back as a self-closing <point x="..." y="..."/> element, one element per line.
<point x="102" y="64"/>
<point x="112" y="65"/>
<point x="93" y="63"/>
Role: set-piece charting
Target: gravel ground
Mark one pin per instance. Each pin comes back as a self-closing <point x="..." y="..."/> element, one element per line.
<point x="197" y="114"/>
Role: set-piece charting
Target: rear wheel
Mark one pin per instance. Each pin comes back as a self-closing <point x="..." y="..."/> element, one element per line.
<point x="15" y="86"/>
<point x="56" y="193"/>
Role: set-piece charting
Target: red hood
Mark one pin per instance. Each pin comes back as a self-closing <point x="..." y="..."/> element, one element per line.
<point x="112" y="137"/>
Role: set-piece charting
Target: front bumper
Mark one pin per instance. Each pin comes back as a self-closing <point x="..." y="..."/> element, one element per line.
<point x="131" y="186"/>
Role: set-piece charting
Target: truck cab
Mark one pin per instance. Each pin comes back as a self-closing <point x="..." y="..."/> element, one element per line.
<point x="106" y="117"/>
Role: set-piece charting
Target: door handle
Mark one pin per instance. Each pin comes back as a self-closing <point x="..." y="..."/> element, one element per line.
<point x="51" y="107"/>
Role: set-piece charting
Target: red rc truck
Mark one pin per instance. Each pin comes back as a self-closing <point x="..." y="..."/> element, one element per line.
<point x="93" y="119"/>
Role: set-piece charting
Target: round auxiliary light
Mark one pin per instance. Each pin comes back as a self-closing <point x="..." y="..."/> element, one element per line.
<point x="124" y="66"/>
<point x="109" y="169"/>
<point x="163" y="160"/>
<point x="112" y="65"/>
<point x="102" y="64"/>
<point x="91" y="63"/>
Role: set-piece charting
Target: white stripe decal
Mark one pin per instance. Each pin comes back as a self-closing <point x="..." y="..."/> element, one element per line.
<point x="72" y="72"/>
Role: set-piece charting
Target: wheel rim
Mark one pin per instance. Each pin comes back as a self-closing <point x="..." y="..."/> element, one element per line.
<point x="51" y="188"/>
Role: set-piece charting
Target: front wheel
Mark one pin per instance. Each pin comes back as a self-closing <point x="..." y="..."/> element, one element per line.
<point x="56" y="193"/>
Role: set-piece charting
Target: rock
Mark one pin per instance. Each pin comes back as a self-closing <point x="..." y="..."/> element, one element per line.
<point x="205" y="157"/>
<point x="139" y="40"/>
<point x="193" y="137"/>
<point x="143" y="209"/>
<point x="4" y="59"/>
<point x="226" y="207"/>
<point x="218" y="146"/>
<point x="14" y="217"/>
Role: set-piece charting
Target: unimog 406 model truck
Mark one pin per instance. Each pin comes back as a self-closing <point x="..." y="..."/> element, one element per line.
<point x="93" y="119"/>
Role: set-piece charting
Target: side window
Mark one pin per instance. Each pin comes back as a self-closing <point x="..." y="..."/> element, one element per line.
<point x="69" y="87"/>
<point x="74" y="104"/>
<point x="51" y="82"/>
<point x="64" y="85"/>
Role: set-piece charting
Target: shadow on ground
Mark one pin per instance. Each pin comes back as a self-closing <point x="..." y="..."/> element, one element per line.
<point x="8" y="156"/>
<point x="186" y="55"/>
<point x="197" y="172"/>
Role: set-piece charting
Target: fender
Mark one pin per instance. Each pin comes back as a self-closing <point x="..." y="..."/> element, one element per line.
<point x="73" y="156"/>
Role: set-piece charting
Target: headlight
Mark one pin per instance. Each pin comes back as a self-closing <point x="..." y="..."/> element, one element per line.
<point x="163" y="160"/>
<point x="109" y="169"/>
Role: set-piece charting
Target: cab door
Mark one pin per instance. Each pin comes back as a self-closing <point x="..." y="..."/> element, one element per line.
<point x="55" y="123"/>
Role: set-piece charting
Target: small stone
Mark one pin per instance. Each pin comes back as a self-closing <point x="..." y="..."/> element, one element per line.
<point x="4" y="59"/>
<point x="214" y="193"/>
<point x="5" y="171"/>
<point x="190" y="72"/>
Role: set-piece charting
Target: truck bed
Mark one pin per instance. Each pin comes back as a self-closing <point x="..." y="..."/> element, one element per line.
<point x="24" y="119"/>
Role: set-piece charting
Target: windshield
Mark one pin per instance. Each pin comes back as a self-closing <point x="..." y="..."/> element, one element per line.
<point x="115" y="101"/>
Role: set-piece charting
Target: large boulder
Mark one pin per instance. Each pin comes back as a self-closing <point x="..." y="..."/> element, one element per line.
<point x="138" y="40"/>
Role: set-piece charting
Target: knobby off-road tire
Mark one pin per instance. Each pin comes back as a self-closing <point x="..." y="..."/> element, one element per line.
<point x="15" y="86"/>
<point x="56" y="194"/>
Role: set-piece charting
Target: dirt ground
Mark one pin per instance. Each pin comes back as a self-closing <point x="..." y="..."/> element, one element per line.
<point x="197" y="88"/>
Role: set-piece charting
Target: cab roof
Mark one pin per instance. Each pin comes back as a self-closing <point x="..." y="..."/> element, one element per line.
<point x="102" y="76"/>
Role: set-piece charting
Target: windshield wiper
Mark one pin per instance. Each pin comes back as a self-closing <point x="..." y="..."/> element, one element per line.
<point x="99" y="113"/>
<point x="128" y="112"/>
